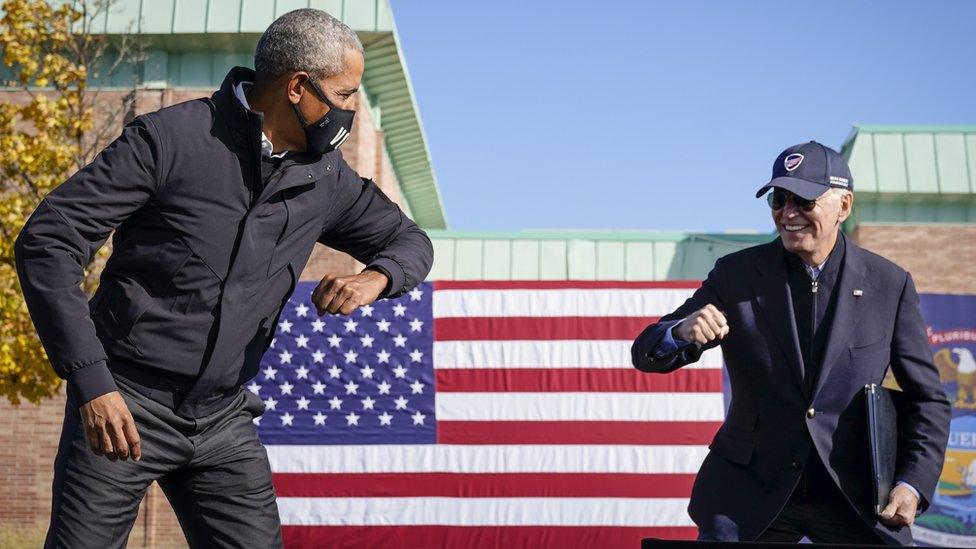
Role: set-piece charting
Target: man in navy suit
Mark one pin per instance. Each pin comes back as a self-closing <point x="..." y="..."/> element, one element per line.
<point x="805" y="322"/>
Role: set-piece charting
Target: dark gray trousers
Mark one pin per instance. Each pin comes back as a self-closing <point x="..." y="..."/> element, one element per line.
<point x="213" y="470"/>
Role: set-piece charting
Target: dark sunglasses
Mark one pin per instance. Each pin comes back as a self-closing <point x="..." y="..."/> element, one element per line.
<point x="777" y="199"/>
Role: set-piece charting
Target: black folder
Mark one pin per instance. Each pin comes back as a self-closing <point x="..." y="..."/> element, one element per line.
<point x="882" y="407"/>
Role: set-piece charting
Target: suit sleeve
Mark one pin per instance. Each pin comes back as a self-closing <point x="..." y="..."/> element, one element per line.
<point x="926" y="427"/>
<point x="650" y="351"/>
<point x="370" y="227"/>
<point x="59" y="240"/>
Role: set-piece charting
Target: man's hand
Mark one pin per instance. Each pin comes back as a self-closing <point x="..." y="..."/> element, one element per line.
<point x="901" y="508"/>
<point x="110" y="428"/>
<point x="345" y="294"/>
<point x="704" y="325"/>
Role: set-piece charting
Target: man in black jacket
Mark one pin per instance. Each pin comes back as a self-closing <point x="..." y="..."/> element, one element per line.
<point x="215" y="205"/>
<point x="805" y="322"/>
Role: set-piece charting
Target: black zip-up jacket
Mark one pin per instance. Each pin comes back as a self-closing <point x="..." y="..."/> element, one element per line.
<point x="204" y="255"/>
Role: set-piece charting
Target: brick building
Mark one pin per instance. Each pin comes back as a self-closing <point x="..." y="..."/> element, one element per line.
<point x="915" y="204"/>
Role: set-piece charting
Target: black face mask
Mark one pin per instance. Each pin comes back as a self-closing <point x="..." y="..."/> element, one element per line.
<point x="329" y="132"/>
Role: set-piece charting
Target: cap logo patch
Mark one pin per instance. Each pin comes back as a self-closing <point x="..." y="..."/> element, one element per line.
<point x="793" y="161"/>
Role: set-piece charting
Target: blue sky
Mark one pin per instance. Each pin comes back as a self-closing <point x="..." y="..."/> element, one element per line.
<point x="663" y="115"/>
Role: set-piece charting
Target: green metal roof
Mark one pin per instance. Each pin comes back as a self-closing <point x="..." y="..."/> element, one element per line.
<point x="912" y="174"/>
<point x="194" y="42"/>
<point x="927" y="160"/>
<point x="572" y="255"/>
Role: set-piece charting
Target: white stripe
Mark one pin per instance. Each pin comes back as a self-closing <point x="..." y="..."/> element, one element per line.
<point x="611" y="353"/>
<point x="338" y="136"/>
<point x="462" y="458"/>
<point x="423" y="511"/>
<point x="580" y="407"/>
<point x="563" y="302"/>
<point x="343" y="140"/>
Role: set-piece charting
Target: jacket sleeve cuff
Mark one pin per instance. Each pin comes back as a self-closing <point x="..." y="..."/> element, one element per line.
<point x="91" y="382"/>
<point x="393" y="271"/>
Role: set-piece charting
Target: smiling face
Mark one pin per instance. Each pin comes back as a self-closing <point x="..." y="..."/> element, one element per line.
<point x="812" y="234"/>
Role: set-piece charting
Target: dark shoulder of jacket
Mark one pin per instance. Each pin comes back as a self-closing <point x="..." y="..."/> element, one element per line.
<point x="170" y="123"/>
<point x="882" y="270"/>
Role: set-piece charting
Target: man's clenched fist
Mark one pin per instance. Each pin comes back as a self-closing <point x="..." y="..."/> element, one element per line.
<point x="110" y="428"/>
<point x="702" y="326"/>
<point x="345" y="294"/>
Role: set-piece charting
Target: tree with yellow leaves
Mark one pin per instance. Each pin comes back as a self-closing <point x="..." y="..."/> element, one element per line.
<point x="46" y="133"/>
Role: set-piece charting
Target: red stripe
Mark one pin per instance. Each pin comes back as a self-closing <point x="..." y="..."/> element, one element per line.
<point x="568" y="380"/>
<point x="524" y="327"/>
<point x="482" y="485"/>
<point x="564" y="284"/>
<point x="577" y="432"/>
<point x="478" y="536"/>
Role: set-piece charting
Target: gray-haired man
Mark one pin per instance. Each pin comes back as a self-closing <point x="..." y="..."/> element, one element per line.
<point x="215" y="206"/>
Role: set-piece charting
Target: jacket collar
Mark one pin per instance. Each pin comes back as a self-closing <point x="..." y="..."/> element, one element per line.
<point x="772" y="294"/>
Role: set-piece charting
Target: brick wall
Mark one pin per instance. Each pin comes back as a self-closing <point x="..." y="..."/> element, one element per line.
<point x="29" y="433"/>
<point x="941" y="258"/>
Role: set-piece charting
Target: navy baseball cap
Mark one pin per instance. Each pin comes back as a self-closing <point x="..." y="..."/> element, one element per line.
<point x="808" y="170"/>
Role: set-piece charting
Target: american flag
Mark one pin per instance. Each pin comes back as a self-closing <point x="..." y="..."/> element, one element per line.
<point x="484" y="414"/>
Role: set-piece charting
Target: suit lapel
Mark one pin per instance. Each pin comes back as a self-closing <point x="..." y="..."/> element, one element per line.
<point x="771" y="294"/>
<point x="849" y="309"/>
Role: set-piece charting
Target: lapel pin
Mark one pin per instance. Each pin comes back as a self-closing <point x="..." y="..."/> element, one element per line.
<point x="858" y="292"/>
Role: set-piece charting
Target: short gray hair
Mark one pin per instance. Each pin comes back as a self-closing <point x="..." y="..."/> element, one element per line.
<point x="304" y="40"/>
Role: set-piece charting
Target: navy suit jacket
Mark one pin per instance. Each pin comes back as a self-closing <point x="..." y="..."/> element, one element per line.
<point x="761" y="449"/>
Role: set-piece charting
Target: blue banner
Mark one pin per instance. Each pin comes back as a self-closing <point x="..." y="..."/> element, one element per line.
<point x="951" y="520"/>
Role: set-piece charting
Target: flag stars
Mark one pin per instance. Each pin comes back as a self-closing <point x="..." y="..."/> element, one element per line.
<point x="319" y="418"/>
<point x="351" y="325"/>
<point x="286" y="388"/>
<point x="285" y="325"/>
<point x="334" y="340"/>
<point x="351" y="388"/>
<point x="367" y="372"/>
<point x="269" y="372"/>
<point x="318" y="325"/>
<point x="318" y="388"/>
<point x="335" y="403"/>
<point x="352" y="419"/>
<point x="418" y="418"/>
<point x="287" y="419"/>
<point x="399" y="310"/>
<point x="318" y="356"/>
<point x="385" y="418"/>
<point x="400" y="371"/>
<point x="285" y="357"/>
<point x="416" y="294"/>
<point x="383" y="357"/>
<point x="301" y="310"/>
<point x="254" y="388"/>
<point x="301" y="372"/>
<point x="417" y="387"/>
<point x="301" y="341"/>
<point x="270" y="403"/>
<point x="416" y="324"/>
<point x="303" y="403"/>
<point x="366" y="340"/>
<point x="416" y="355"/>
<point x="384" y="387"/>
<point x="368" y="403"/>
<point x="256" y="421"/>
<point x="351" y="356"/>
<point x="383" y="325"/>
<point x="400" y="402"/>
<point x="367" y="310"/>
<point x="335" y="372"/>
<point x="400" y="341"/>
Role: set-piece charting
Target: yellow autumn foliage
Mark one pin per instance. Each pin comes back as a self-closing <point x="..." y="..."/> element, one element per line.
<point x="41" y="136"/>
